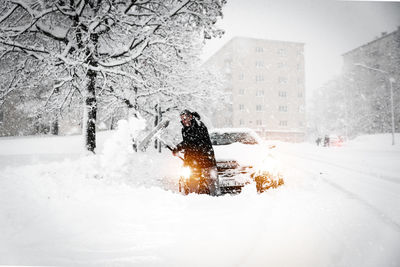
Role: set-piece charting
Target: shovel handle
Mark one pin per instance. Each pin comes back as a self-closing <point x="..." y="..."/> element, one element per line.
<point x="167" y="146"/>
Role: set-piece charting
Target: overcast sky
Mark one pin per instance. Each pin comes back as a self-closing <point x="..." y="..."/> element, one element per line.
<point x="328" y="28"/>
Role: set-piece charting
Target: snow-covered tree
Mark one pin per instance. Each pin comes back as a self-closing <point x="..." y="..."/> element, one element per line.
<point x="186" y="84"/>
<point x="328" y="109"/>
<point x="369" y="96"/>
<point x="101" y="48"/>
<point x="354" y="103"/>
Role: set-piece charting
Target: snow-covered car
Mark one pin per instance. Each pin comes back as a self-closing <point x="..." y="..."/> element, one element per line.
<point x="335" y="140"/>
<point x="242" y="157"/>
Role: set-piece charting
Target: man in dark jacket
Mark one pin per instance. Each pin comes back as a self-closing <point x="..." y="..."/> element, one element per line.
<point x="198" y="150"/>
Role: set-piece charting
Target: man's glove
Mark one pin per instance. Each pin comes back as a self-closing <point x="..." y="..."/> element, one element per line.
<point x="175" y="151"/>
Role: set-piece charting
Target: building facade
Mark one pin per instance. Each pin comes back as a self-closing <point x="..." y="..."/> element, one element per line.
<point x="266" y="84"/>
<point x="371" y="77"/>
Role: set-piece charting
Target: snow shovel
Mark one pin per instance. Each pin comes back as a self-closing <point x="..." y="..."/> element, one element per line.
<point x="168" y="146"/>
<point x="146" y="140"/>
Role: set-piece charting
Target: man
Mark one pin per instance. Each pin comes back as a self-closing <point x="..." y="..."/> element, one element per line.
<point x="198" y="150"/>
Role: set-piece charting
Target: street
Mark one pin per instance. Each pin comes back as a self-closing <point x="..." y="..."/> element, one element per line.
<point x="338" y="207"/>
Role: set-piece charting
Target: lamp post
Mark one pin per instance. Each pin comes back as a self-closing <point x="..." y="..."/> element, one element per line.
<point x="391" y="81"/>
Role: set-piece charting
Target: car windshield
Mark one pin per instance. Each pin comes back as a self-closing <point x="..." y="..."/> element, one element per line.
<point x="230" y="138"/>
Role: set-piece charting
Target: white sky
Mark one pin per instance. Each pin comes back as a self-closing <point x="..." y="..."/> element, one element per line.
<point x="328" y="28"/>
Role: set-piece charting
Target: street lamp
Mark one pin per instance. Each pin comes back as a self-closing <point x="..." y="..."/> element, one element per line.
<point x="391" y="81"/>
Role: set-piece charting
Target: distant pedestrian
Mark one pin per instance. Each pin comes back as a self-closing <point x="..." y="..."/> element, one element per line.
<point x="318" y="141"/>
<point x="326" y="140"/>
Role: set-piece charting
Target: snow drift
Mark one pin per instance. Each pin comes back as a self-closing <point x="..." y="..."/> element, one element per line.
<point x="112" y="210"/>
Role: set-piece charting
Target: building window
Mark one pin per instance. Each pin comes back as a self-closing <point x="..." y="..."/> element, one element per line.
<point x="298" y="66"/>
<point x="259" y="122"/>
<point x="1" y="116"/>
<point x="281" y="65"/>
<point x="259" y="108"/>
<point x="300" y="94"/>
<point x="259" y="64"/>
<point x="259" y="49"/>
<point x="259" y="78"/>
<point x="282" y="52"/>
<point x="301" y="124"/>
<point x="228" y="121"/>
<point x="299" y="81"/>
<point x="241" y="76"/>
<point x="241" y="91"/>
<point x="299" y="52"/>
<point x="282" y="93"/>
<point x="227" y="66"/>
<point x="283" y="108"/>
<point x="301" y="109"/>
<point x="282" y="123"/>
<point x="283" y="80"/>
<point x="241" y="107"/>
<point x="260" y="92"/>
<point x="228" y="63"/>
<point x="241" y="122"/>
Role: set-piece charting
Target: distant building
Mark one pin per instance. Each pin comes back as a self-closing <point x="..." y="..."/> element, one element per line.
<point x="366" y="73"/>
<point x="266" y="83"/>
<point x="381" y="53"/>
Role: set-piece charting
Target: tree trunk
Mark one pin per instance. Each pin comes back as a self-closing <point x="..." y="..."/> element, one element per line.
<point x="90" y="112"/>
<point x="155" y="125"/>
<point x="54" y="126"/>
<point x="160" y="119"/>
<point x="90" y="97"/>
<point x="112" y="123"/>
<point x="132" y="111"/>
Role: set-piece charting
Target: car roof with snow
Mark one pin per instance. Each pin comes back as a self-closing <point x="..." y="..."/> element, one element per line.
<point x="232" y="130"/>
<point x="217" y="133"/>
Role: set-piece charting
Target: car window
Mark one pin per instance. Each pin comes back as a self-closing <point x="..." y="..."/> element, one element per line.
<point x="230" y="138"/>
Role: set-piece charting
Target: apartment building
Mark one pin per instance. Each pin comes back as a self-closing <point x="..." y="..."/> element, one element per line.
<point x="371" y="77"/>
<point x="265" y="80"/>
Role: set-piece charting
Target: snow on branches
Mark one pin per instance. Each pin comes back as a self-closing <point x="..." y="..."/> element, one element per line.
<point x="104" y="49"/>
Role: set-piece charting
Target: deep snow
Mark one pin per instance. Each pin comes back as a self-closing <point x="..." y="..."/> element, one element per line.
<point x="338" y="207"/>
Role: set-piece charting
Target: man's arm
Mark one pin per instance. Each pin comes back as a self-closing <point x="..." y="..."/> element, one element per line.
<point x="204" y="134"/>
<point x="179" y="147"/>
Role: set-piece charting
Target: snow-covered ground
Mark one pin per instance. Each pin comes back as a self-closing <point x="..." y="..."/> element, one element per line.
<point x="338" y="207"/>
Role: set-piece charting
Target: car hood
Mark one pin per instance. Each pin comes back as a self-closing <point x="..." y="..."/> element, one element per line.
<point x="243" y="154"/>
<point x="258" y="156"/>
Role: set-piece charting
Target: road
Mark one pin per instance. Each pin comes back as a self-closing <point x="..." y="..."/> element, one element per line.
<point x="365" y="184"/>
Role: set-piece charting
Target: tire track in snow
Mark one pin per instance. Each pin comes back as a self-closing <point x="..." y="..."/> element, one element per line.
<point x="376" y="211"/>
<point x="382" y="216"/>
<point x="375" y="175"/>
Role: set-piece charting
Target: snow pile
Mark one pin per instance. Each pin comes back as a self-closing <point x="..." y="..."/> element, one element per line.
<point x="117" y="159"/>
<point x="377" y="141"/>
<point x="51" y="215"/>
<point x="118" y="163"/>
